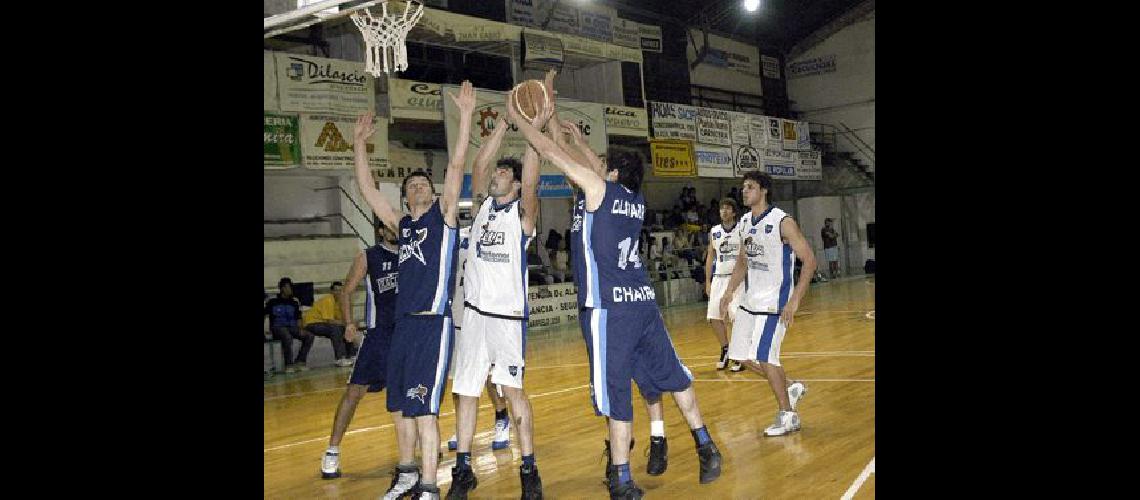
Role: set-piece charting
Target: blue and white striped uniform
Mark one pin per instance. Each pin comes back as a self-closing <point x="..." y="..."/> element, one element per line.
<point x="621" y="324"/>
<point x="757" y="332"/>
<point x="421" y="343"/>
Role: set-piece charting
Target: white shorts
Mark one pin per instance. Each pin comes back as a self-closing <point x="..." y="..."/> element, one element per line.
<point x="716" y="292"/>
<point x="831" y="254"/>
<point x="756" y="337"/>
<point x="485" y="341"/>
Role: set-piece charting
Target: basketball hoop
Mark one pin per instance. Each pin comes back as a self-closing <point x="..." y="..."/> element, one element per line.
<point x="388" y="31"/>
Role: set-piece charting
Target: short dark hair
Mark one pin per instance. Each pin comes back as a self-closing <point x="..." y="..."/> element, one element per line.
<point x="284" y="281"/>
<point x="730" y="202"/>
<point x="417" y="173"/>
<point x="761" y="178"/>
<point x="513" y="164"/>
<point x="630" y="169"/>
<point x="335" y="284"/>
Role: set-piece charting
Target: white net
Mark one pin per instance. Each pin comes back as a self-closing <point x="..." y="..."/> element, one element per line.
<point x="384" y="36"/>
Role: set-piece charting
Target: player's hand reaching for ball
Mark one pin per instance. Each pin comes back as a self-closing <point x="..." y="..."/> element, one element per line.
<point x="466" y="100"/>
<point x="364" y="127"/>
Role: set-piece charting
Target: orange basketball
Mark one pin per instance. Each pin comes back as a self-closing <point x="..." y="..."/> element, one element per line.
<point x="530" y="96"/>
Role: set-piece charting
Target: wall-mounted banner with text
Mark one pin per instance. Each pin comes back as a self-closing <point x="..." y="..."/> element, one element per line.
<point x="713" y="126"/>
<point x="317" y="85"/>
<point x="673" y="121"/>
<point x="326" y="142"/>
<point x="282" y="141"/>
<point x="672" y="158"/>
<point x="625" y="120"/>
<point x="745" y="158"/>
<point x="412" y="100"/>
<point x="810" y="167"/>
<point x="713" y="161"/>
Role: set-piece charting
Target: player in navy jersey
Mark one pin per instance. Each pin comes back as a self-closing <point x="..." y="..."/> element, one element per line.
<point x="627" y="339"/>
<point x="421" y="344"/>
<point x="381" y="263"/>
<point x="579" y="149"/>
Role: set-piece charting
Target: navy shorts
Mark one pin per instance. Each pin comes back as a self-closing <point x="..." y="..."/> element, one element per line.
<point x="371" y="364"/>
<point x="629" y="343"/>
<point x="418" y="360"/>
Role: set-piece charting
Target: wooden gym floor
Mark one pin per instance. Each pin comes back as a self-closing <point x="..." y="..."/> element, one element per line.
<point x="830" y="346"/>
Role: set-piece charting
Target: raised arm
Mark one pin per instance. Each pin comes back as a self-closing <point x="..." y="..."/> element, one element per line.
<point x="591" y="183"/>
<point x="453" y="180"/>
<point x="529" y="201"/>
<point x="355" y="274"/>
<point x="481" y="167"/>
<point x="793" y="237"/>
<point x="584" y="149"/>
<point x="364" y="180"/>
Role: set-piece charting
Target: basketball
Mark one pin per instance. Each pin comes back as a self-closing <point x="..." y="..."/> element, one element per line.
<point x="529" y="98"/>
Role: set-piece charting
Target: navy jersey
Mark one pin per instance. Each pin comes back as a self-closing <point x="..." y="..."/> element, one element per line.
<point x="606" y="265"/>
<point x="283" y="311"/>
<point x="427" y="263"/>
<point x="383" y="275"/>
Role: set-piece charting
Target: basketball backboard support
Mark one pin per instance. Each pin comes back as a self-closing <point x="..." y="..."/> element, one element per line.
<point x="307" y="13"/>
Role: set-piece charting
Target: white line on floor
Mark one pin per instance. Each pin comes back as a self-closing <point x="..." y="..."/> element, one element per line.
<point x="867" y="471"/>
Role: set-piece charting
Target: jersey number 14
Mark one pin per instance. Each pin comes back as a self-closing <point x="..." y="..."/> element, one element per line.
<point x="628" y="255"/>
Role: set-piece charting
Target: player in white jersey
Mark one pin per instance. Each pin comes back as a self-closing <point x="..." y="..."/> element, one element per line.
<point x="771" y="241"/>
<point x="720" y="260"/>
<point x="502" y="438"/>
<point x="495" y="313"/>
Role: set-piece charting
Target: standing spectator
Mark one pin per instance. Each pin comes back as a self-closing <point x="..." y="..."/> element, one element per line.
<point x="325" y="319"/>
<point x="712" y="213"/>
<point x="830" y="247"/>
<point x="284" y="313"/>
<point x="553" y="243"/>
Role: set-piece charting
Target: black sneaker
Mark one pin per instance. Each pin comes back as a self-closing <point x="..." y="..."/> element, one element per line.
<point x="627" y="491"/>
<point x="709" y="457"/>
<point x="421" y="492"/>
<point x="609" y="460"/>
<point x="403" y="483"/>
<point x="462" y="481"/>
<point x="658" y="456"/>
<point x="531" y="483"/>
<point x="720" y="364"/>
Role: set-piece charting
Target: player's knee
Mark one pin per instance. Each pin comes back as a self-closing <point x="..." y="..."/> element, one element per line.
<point x="356" y="392"/>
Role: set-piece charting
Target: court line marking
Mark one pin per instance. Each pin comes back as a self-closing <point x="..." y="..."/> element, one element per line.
<point x="385" y="426"/>
<point x="793" y="354"/>
<point x="798" y="379"/>
<point x="867" y="471"/>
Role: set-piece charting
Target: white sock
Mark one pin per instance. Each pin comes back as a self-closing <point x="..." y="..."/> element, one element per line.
<point x="334" y="449"/>
<point x="657" y="428"/>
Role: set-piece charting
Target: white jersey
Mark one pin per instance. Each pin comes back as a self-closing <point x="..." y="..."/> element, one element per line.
<point x="725" y="244"/>
<point x="460" y="262"/>
<point x="495" y="278"/>
<point x="771" y="262"/>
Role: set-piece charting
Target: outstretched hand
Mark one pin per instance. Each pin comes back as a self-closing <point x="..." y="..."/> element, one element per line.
<point x="466" y="100"/>
<point x="364" y="127"/>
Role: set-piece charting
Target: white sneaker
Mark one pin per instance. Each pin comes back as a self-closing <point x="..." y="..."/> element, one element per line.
<point x="330" y="465"/>
<point x="737" y="367"/>
<point x="301" y="367"/>
<point x="723" y="359"/>
<point x="796" y="391"/>
<point x="786" y="422"/>
<point x="403" y="482"/>
<point x="502" y="434"/>
<point x="291" y="369"/>
<point x="452" y="443"/>
<point x="343" y="362"/>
